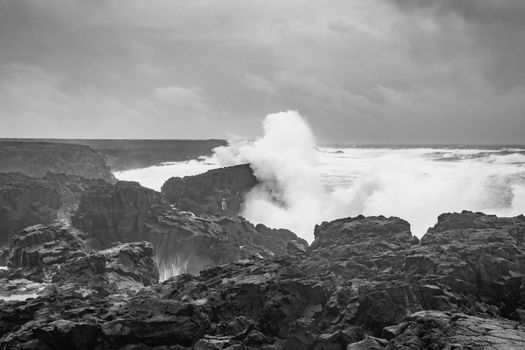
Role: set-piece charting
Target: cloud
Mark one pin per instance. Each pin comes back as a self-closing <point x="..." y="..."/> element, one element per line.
<point x="259" y="83"/>
<point x="361" y="70"/>
<point x="179" y="98"/>
<point x="35" y="103"/>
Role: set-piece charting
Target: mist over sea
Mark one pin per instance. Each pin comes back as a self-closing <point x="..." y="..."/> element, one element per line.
<point x="303" y="184"/>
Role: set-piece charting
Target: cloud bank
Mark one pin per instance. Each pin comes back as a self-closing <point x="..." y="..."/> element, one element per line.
<point x="379" y="71"/>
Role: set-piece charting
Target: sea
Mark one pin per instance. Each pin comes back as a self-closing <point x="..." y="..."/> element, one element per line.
<point x="416" y="183"/>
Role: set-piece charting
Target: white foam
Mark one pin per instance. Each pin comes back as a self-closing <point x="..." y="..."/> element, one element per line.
<point x="18" y="297"/>
<point x="153" y="177"/>
<point x="303" y="184"/>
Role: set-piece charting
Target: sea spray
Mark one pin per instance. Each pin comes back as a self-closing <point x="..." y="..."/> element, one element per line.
<point x="285" y="163"/>
<point x="302" y="184"/>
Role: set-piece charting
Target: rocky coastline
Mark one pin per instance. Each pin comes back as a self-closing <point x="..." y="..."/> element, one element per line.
<point x="93" y="263"/>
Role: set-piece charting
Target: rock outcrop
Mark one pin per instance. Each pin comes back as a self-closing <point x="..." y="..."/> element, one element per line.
<point x="38" y="158"/>
<point x="59" y="253"/>
<point x="131" y="154"/>
<point x="25" y="201"/>
<point x="183" y="243"/>
<point x="204" y="193"/>
<point x="365" y="283"/>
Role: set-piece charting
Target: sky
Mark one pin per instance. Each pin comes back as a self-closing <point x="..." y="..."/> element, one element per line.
<point x="360" y="71"/>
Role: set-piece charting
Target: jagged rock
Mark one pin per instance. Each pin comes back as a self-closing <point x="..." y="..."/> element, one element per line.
<point x="4" y="255"/>
<point x="129" y="212"/>
<point x="204" y="193"/>
<point x="58" y="253"/>
<point x="38" y="158"/>
<point x="473" y="253"/>
<point x="295" y="248"/>
<point x="25" y="201"/>
<point x="126" y="265"/>
<point x="374" y="296"/>
<point x="439" y="330"/>
<point x="39" y="251"/>
<point x="369" y="343"/>
<point x="111" y="213"/>
<point x="71" y="188"/>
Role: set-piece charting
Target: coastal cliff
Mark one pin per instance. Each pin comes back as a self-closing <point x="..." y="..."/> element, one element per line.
<point x="123" y="154"/>
<point x="129" y="212"/>
<point x="36" y="159"/>
<point x="203" y="193"/>
<point x="27" y="201"/>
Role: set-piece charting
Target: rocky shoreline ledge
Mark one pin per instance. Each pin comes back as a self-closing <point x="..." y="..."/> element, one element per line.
<point x="364" y="283"/>
<point x="97" y="264"/>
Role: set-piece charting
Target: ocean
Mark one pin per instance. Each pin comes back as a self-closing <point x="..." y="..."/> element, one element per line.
<point x="416" y="183"/>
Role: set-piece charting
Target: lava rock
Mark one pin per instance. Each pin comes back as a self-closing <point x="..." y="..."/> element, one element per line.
<point x="25" y="201"/>
<point x="204" y="193"/>
<point x="129" y="212"/>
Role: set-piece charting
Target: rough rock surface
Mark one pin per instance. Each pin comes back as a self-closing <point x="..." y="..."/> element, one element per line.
<point x="183" y="243"/>
<point x="203" y="193"/>
<point x="58" y="253"/>
<point x="38" y="158"/>
<point x="365" y="283"/>
<point x="431" y="329"/>
<point x="25" y="201"/>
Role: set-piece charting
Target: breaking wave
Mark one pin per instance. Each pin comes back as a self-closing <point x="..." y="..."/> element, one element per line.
<point x="302" y="184"/>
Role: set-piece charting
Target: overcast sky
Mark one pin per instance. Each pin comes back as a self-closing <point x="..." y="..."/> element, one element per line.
<point x="361" y="71"/>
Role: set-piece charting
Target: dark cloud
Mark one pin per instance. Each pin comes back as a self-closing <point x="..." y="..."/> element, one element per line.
<point x="508" y="12"/>
<point x="496" y="30"/>
<point x="360" y="70"/>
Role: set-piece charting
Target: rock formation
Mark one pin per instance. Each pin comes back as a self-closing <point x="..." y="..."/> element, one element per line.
<point x="38" y="158"/>
<point x="129" y="212"/>
<point x="203" y="193"/>
<point x="58" y="253"/>
<point x="25" y="201"/>
<point x="365" y="283"/>
<point x="130" y="154"/>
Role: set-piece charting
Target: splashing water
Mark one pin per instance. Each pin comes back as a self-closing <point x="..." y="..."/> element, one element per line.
<point x="302" y="185"/>
<point x="174" y="266"/>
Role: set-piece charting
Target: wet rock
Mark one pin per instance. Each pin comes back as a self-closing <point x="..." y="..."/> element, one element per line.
<point x="156" y="322"/>
<point x="481" y="255"/>
<point x="129" y="212"/>
<point x="204" y="193"/>
<point x="346" y="291"/>
<point x="369" y="343"/>
<point x="124" y="265"/>
<point x="39" y="251"/>
<point x="25" y="201"/>
<point x="438" y="330"/>
<point x="58" y="253"/>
